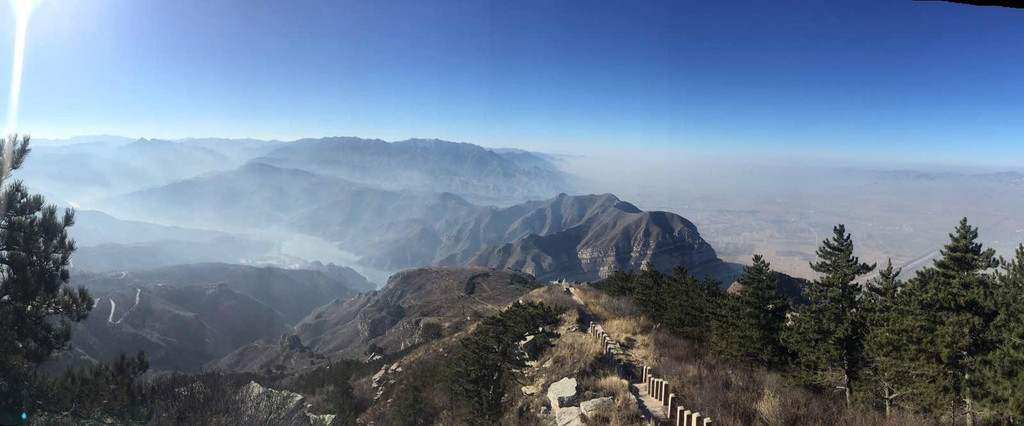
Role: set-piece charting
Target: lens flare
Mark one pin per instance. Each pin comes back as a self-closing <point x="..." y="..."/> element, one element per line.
<point x="22" y="11"/>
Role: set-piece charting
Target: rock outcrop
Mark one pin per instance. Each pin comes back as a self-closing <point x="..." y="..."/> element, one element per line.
<point x="265" y="406"/>
<point x="562" y="394"/>
<point x="569" y="416"/>
<point x="596" y="405"/>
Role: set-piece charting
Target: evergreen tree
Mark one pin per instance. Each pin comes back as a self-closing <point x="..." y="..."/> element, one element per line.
<point x="36" y="305"/>
<point x="750" y="323"/>
<point x="1005" y="372"/>
<point x="485" y="364"/>
<point x="890" y="333"/>
<point x="688" y="304"/>
<point x="955" y="303"/>
<point x="679" y="302"/>
<point x="103" y="391"/>
<point x="827" y="335"/>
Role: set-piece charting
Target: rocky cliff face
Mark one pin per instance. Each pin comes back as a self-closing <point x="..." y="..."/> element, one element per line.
<point x="259" y="405"/>
<point x="611" y="235"/>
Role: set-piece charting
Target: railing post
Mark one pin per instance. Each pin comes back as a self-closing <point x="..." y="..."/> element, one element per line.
<point x="672" y="405"/>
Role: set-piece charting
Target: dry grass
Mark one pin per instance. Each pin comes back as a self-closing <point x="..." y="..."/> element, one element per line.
<point x="552" y="295"/>
<point x="738" y="395"/>
<point x="605" y="307"/>
<point x="607" y="385"/>
<point x="573" y="355"/>
<point x="769" y="408"/>
<point x="637" y="335"/>
<point x="624" y="412"/>
<point x="570" y="321"/>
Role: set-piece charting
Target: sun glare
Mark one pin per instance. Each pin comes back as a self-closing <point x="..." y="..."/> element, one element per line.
<point x="23" y="7"/>
<point x="22" y="11"/>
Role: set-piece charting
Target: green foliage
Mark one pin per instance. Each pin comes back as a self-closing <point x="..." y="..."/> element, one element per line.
<point x="36" y="305"/>
<point x="827" y="335"/>
<point x="209" y="398"/>
<point x="891" y="334"/>
<point x="430" y="330"/>
<point x="342" y="402"/>
<point x="750" y="324"/>
<point x="409" y="406"/>
<point x="103" y="391"/>
<point x="472" y="282"/>
<point x="679" y="302"/>
<point x="1005" y="372"/>
<point x="484" y="366"/>
<point x="954" y="307"/>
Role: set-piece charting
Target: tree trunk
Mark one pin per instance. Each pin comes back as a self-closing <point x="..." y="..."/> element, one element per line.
<point x="846" y="384"/>
<point x="967" y="411"/>
<point x="968" y="402"/>
<point x="888" y="401"/>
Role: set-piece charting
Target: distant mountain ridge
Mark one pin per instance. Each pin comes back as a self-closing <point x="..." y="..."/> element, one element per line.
<point x="1008" y="177"/>
<point x="474" y="172"/>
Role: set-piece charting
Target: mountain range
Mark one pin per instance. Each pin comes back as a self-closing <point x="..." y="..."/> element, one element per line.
<point x="474" y="172"/>
<point x="566" y="237"/>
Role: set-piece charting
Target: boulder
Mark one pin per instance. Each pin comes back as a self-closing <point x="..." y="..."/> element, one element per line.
<point x="569" y="416"/>
<point x="597" y="404"/>
<point x="562" y="393"/>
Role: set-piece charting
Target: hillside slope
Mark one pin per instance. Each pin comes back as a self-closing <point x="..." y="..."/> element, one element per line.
<point x="415" y="305"/>
<point x="186" y="315"/>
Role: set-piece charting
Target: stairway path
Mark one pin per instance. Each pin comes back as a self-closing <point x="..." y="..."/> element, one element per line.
<point x="650" y="408"/>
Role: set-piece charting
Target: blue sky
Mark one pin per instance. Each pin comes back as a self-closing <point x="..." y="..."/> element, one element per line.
<point x="924" y="81"/>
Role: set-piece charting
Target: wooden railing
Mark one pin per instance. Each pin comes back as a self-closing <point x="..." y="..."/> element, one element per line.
<point x="674" y="409"/>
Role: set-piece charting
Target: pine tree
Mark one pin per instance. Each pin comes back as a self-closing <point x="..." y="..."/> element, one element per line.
<point x="827" y="335"/>
<point x="890" y="332"/>
<point x="36" y="304"/>
<point x="955" y="301"/>
<point x="485" y="364"/>
<point x="750" y="324"/>
<point x="105" y="391"/>
<point x="1005" y="372"/>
